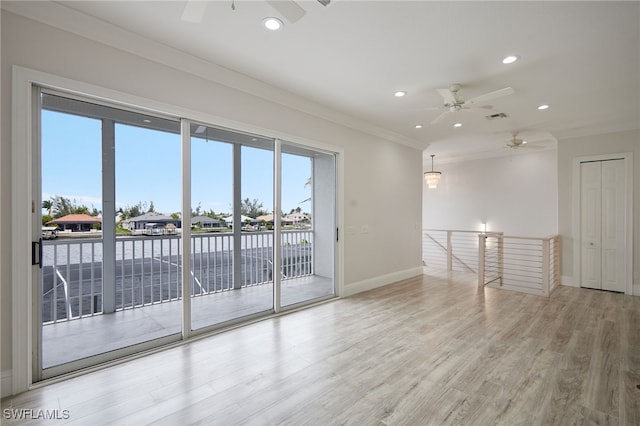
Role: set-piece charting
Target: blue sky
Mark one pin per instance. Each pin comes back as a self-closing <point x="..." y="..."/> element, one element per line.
<point x="148" y="168"/>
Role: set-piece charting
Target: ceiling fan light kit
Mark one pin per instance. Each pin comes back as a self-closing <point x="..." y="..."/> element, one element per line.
<point x="433" y="177"/>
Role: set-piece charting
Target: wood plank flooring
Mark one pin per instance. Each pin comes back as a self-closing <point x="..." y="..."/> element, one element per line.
<point x="428" y="350"/>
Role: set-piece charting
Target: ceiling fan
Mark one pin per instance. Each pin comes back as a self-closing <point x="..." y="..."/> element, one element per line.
<point x="289" y="9"/>
<point x="454" y="103"/>
<point x="521" y="139"/>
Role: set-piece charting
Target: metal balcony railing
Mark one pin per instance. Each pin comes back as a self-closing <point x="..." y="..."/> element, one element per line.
<point x="525" y="264"/>
<point x="148" y="269"/>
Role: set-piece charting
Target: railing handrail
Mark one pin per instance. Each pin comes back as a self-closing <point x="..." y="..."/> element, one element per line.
<point x="81" y="239"/>
<point x="451" y="230"/>
<point x="550" y="237"/>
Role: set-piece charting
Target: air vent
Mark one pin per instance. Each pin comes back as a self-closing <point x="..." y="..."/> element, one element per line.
<point x="324" y="2"/>
<point x="496" y="116"/>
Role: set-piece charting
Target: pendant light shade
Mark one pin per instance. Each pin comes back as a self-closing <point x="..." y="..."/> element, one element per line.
<point x="432" y="178"/>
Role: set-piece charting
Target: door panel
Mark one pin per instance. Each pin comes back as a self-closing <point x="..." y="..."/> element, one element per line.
<point x="104" y="282"/>
<point x="590" y="212"/>
<point x="603" y="256"/>
<point x="308" y="225"/>
<point x="613" y="236"/>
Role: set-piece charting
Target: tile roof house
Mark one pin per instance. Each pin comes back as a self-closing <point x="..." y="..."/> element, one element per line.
<point x="76" y="222"/>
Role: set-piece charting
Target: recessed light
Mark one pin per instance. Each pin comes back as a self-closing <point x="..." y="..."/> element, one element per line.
<point x="510" y="59"/>
<point x="418" y="126"/>
<point x="523" y="142"/>
<point x="543" y="106"/>
<point x="273" y="24"/>
<point x="399" y="93"/>
<point x="146" y="120"/>
<point x="457" y="124"/>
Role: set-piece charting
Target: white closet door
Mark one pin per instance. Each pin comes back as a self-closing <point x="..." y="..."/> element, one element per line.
<point x="590" y="220"/>
<point x="613" y="233"/>
<point x="602" y="217"/>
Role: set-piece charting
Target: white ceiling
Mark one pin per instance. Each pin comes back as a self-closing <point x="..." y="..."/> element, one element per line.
<point x="582" y="58"/>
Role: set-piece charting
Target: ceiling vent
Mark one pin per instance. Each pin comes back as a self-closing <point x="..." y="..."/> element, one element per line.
<point x="496" y="116"/>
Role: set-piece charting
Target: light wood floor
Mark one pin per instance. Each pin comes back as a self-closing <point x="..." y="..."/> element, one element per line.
<point x="428" y="350"/>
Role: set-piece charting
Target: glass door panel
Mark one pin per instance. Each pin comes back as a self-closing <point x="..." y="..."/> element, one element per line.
<point x="308" y="225"/>
<point x="231" y="184"/>
<point x="256" y="209"/>
<point x="104" y="281"/>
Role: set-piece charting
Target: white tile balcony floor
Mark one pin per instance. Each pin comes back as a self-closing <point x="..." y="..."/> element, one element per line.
<point x="76" y="339"/>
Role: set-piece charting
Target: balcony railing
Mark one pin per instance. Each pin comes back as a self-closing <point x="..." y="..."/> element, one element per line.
<point x="148" y="269"/>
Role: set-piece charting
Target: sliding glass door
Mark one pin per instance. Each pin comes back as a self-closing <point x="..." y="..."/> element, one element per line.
<point x="308" y="236"/>
<point x="110" y="198"/>
<point x="231" y="193"/>
<point x="246" y="222"/>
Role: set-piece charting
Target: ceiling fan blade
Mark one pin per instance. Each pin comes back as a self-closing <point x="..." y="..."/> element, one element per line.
<point x="536" y="136"/>
<point x="491" y="95"/>
<point x="289" y="9"/>
<point x="482" y="110"/>
<point x="194" y="11"/>
<point x="440" y="117"/>
<point x="447" y="95"/>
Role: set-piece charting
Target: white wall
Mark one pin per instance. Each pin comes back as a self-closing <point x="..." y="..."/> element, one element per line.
<point x="568" y="149"/>
<point x="515" y="194"/>
<point x="382" y="183"/>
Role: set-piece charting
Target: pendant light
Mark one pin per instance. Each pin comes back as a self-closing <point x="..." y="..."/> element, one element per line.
<point x="432" y="178"/>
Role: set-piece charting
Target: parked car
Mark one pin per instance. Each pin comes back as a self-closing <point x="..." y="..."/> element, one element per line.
<point x="153" y="229"/>
<point x="49" y="232"/>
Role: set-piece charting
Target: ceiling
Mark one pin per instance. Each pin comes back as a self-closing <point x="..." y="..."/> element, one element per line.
<point x="581" y="58"/>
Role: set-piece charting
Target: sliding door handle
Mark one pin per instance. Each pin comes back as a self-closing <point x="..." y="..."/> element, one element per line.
<point x="36" y="251"/>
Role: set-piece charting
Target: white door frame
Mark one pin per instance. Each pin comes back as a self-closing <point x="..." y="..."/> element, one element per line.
<point x="576" y="234"/>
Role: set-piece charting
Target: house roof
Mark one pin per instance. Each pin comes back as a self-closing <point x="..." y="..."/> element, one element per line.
<point x="77" y="218"/>
<point x="151" y="217"/>
<point x="203" y="219"/>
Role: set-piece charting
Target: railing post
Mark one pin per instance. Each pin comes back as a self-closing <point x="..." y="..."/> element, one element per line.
<point x="449" y="252"/>
<point x="545" y="267"/>
<point x="481" y="247"/>
<point x="500" y="237"/>
<point x="556" y="261"/>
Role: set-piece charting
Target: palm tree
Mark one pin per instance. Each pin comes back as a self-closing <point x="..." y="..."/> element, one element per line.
<point x="47" y="204"/>
<point x="307" y="183"/>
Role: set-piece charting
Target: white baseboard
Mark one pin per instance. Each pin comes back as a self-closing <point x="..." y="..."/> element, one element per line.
<point x="6" y="387"/>
<point x="381" y="280"/>
<point x="567" y="281"/>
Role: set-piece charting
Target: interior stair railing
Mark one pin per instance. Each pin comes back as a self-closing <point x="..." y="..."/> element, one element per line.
<point x="525" y="264"/>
